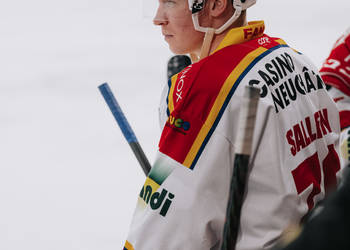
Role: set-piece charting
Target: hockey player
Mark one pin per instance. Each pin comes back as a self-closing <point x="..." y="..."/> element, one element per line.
<point x="183" y="202"/>
<point x="336" y="74"/>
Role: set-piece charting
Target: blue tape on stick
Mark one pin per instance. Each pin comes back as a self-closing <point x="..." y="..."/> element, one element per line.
<point x="117" y="113"/>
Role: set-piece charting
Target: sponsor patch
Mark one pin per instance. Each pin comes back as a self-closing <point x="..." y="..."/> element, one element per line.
<point x="178" y="124"/>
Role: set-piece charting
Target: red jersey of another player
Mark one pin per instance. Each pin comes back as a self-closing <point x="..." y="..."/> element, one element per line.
<point x="336" y="73"/>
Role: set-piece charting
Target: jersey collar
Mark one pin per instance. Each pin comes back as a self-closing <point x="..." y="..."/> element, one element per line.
<point x="242" y="34"/>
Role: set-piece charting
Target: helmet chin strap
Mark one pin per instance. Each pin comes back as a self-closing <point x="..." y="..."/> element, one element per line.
<point x="210" y="32"/>
<point x="207" y="41"/>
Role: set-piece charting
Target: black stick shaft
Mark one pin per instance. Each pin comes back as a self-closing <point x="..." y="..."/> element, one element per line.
<point x="243" y="145"/>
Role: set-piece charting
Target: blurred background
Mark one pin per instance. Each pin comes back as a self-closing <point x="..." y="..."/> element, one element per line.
<point x="68" y="179"/>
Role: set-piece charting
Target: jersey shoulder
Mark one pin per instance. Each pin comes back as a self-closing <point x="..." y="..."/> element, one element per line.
<point x="199" y="95"/>
<point x="196" y="88"/>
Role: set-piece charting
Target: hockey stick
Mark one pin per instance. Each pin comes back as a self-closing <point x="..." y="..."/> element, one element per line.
<point x="174" y="66"/>
<point x="125" y="127"/>
<point x="241" y="166"/>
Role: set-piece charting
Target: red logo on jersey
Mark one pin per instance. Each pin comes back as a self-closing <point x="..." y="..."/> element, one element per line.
<point x="178" y="123"/>
<point x="250" y="33"/>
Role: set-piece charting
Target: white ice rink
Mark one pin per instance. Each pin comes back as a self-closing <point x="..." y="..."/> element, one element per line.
<point x="68" y="179"/>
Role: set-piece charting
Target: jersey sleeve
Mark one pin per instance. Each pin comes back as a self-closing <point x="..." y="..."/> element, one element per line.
<point x="182" y="204"/>
<point x="180" y="208"/>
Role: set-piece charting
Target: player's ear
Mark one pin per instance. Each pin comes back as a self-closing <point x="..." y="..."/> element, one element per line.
<point x="218" y="7"/>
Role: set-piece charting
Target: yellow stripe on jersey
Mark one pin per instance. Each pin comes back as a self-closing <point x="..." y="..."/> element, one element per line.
<point x="281" y="41"/>
<point x="224" y="92"/>
<point x="171" y="94"/>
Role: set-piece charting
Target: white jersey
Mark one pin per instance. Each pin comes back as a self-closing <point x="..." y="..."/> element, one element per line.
<point x="183" y="202"/>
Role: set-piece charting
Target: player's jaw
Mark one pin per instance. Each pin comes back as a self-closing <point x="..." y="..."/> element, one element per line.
<point x="183" y="41"/>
